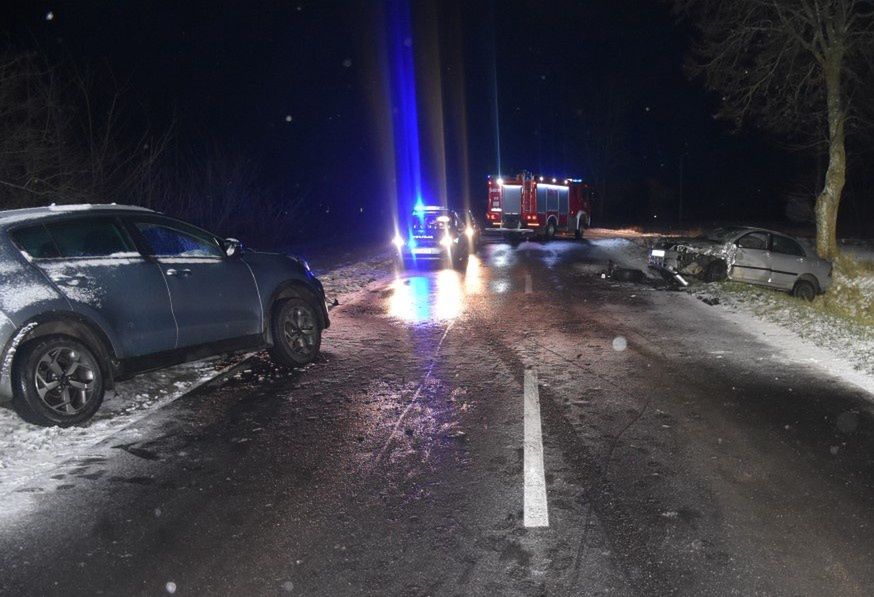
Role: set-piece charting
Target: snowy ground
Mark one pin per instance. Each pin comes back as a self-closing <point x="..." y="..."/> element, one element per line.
<point x="797" y="329"/>
<point x="804" y="332"/>
<point x="28" y="451"/>
<point x="839" y="340"/>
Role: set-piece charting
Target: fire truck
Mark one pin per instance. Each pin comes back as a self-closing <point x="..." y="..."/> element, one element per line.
<point x="535" y="205"/>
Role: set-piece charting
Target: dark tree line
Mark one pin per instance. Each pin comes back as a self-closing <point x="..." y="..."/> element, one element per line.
<point x="69" y="135"/>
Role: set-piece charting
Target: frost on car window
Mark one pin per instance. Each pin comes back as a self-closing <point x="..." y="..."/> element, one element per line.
<point x="164" y="240"/>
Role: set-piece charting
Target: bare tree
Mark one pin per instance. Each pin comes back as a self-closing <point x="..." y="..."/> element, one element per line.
<point x="36" y="163"/>
<point x="70" y="135"/>
<point x="66" y="138"/>
<point x="791" y="67"/>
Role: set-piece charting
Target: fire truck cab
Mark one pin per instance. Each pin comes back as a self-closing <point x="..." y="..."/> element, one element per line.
<point x="528" y="204"/>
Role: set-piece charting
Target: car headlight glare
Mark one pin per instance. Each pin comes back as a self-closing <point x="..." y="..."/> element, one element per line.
<point x="446" y="241"/>
<point x="398" y="241"/>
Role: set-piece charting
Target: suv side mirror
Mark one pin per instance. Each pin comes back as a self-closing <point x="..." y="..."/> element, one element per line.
<point x="233" y="247"/>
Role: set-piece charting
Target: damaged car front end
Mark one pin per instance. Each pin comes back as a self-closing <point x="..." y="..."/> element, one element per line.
<point x="707" y="256"/>
<point x="744" y="254"/>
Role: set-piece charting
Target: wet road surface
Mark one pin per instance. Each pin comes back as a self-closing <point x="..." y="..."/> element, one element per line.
<point x="675" y="454"/>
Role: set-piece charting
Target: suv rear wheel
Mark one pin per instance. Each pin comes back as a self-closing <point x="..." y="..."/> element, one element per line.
<point x="297" y="333"/>
<point x="57" y="381"/>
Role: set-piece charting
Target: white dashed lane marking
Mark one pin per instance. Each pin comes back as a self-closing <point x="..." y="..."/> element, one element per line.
<point x="536" y="508"/>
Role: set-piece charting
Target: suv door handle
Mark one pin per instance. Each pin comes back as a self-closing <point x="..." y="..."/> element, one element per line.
<point x="174" y="272"/>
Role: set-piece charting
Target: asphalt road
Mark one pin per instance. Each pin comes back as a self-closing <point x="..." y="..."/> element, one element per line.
<point x="680" y="455"/>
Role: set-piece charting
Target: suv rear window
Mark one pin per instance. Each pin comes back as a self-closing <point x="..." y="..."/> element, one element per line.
<point x="90" y="238"/>
<point x="35" y="241"/>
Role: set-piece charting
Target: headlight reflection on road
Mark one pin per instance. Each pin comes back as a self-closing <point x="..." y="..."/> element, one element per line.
<point x="500" y="286"/>
<point x="450" y="295"/>
<point x="409" y="301"/>
<point x="473" y="276"/>
<point x="439" y="297"/>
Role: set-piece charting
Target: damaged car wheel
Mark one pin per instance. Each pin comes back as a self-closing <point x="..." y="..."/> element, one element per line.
<point x="717" y="271"/>
<point x="804" y="290"/>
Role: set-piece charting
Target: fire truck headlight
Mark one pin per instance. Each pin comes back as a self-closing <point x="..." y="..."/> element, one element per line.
<point x="446" y="241"/>
<point x="398" y="241"/>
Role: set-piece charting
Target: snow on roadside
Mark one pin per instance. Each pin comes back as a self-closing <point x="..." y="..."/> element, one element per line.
<point x="839" y="347"/>
<point x="28" y="452"/>
<point x="351" y="277"/>
<point x="815" y="333"/>
<point x="839" y="344"/>
<point x="834" y="331"/>
<point x="803" y="333"/>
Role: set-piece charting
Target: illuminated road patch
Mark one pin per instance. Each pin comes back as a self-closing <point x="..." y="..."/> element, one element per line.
<point x="435" y="296"/>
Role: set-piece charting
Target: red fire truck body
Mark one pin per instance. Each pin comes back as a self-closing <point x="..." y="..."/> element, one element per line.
<point x="529" y="204"/>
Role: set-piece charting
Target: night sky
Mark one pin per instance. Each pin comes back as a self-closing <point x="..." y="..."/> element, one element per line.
<point x="297" y="88"/>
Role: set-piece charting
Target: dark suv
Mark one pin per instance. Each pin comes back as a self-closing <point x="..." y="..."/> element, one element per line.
<point x="94" y="294"/>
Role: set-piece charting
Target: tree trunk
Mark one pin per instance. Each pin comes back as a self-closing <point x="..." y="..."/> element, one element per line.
<point x="830" y="198"/>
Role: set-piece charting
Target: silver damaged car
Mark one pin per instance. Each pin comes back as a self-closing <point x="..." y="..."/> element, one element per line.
<point x="94" y="294"/>
<point x="744" y="254"/>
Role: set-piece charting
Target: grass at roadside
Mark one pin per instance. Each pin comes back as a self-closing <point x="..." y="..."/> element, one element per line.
<point x="841" y="321"/>
<point x="852" y="293"/>
<point x="851" y="297"/>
